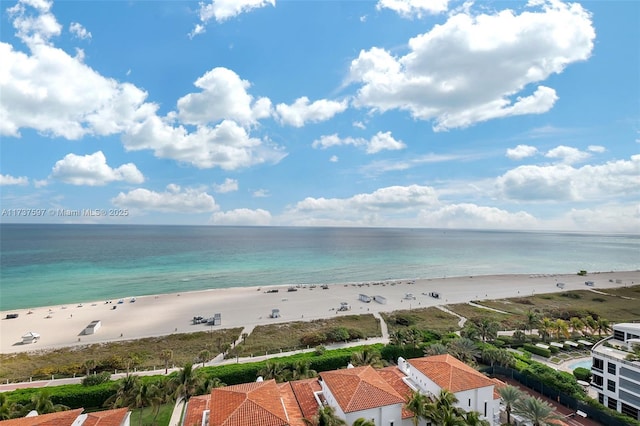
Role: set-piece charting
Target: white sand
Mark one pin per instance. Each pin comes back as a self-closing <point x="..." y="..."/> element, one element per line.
<point x="247" y="307"/>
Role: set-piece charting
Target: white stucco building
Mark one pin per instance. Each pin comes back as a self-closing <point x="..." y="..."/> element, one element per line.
<point x="615" y="378"/>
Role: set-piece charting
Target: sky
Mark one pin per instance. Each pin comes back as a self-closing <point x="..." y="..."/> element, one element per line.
<point x="497" y="115"/>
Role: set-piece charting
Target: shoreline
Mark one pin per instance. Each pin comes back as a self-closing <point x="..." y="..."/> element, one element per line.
<point x="164" y="314"/>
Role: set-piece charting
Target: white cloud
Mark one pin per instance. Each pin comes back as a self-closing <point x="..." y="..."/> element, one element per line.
<point x="241" y="217"/>
<point x="509" y="53"/>
<point x="521" y="151"/>
<point x="37" y="28"/>
<point x="567" y="154"/>
<point x="414" y="8"/>
<point x="227" y="145"/>
<point x="222" y="10"/>
<point x="93" y="170"/>
<point x="11" y="180"/>
<point x="261" y="193"/>
<point x="79" y="31"/>
<point x="175" y="200"/>
<point x="359" y="125"/>
<point x="379" y="142"/>
<point x="223" y="96"/>
<point x="229" y="185"/>
<point x="472" y="216"/>
<point x="562" y="182"/>
<point x="334" y="159"/>
<point x="597" y="149"/>
<point x="604" y="218"/>
<point x="302" y="111"/>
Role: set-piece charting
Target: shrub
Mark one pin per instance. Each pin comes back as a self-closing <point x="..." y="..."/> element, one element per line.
<point x="599" y="299"/>
<point x="393" y="352"/>
<point x="96" y="379"/>
<point x="319" y="350"/>
<point x="582" y="373"/>
<point x="338" y="334"/>
<point x="313" y="339"/>
<point x="571" y="295"/>
<point x="537" y="350"/>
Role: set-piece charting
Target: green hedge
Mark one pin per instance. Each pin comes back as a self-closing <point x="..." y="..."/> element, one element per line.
<point x="559" y="380"/>
<point x="582" y="373"/>
<point x="536" y="350"/>
<point x="73" y="396"/>
<point x="392" y="352"/>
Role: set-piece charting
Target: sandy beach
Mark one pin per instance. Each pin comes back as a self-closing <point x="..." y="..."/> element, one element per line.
<point x="60" y="326"/>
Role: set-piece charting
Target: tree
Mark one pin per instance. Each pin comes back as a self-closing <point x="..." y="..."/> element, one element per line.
<point x="208" y="384"/>
<point x="435" y="349"/>
<point x="544" y="328"/>
<point x="363" y="422"/>
<point x="397" y="338"/>
<point x="244" y="337"/>
<point x="536" y="410"/>
<point x="203" y="356"/>
<point x="89" y="365"/>
<point x="464" y="349"/>
<point x="302" y="370"/>
<point x="166" y="355"/>
<point x="41" y="402"/>
<point x="591" y="324"/>
<point x="273" y="370"/>
<point x="561" y="328"/>
<point x="602" y="326"/>
<point x="417" y="404"/>
<point x="367" y="356"/>
<point x="509" y="396"/>
<point x="327" y="417"/>
<point x="472" y="418"/>
<point x="532" y="321"/>
<point x="488" y="329"/>
<point x="577" y="326"/>
<point x="186" y="382"/>
<point x="126" y="392"/>
<point x="8" y="409"/>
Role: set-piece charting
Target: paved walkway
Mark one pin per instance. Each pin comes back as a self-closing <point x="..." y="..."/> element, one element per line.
<point x="461" y="319"/>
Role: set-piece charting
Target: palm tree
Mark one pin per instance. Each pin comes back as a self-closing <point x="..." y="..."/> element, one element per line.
<point x="544" y="328"/>
<point x="417" y="404"/>
<point x="41" y="402"/>
<point x="302" y="370"/>
<point x="89" y="365"/>
<point x="397" y="337"/>
<point x="273" y="370"/>
<point x="577" y="326"/>
<point x="472" y="418"/>
<point x="561" y="328"/>
<point x="536" y="410"/>
<point x="8" y="409"/>
<point x="166" y="355"/>
<point x="208" y="384"/>
<point x="186" y="382"/>
<point x="488" y="329"/>
<point x="448" y="416"/>
<point x="490" y="354"/>
<point x="413" y="336"/>
<point x="602" y="326"/>
<point x="435" y="349"/>
<point x="143" y="397"/>
<point x="244" y="337"/>
<point x="126" y="392"/>
<point x="203" y="356"/>
<point x="509" y="396"/>
<point x="363" y="422"/>
<point x="446" y="399"/>
<point x="591" y="324"/>
<point x="531" y="321"/>
<point x="464" y="349"/>
<point x="367" y="356"/>
<point x="327" y="417"/>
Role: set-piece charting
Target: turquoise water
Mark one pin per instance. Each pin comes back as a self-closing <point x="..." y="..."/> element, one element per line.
<point x="58" y="264"/>
<point x="584" y="364"/>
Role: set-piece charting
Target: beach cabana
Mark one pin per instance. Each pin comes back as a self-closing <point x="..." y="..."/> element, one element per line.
<point x="364" y="298"/>
<point x="93" y="327"/>
<point x="380" y="299"/>
<point x="30" y="337"/>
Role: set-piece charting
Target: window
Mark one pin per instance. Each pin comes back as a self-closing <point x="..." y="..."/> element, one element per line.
<point x="630" y="411"/>
<point x="612" y="403"/>
<point x="485" y="408"/>
<point x="598" y="364"/>
<point x="601" y="398"/>
<point x="469" y="402"/>
<point x="611" y="368"/>
<point x="597" y="380"/>
<point x="611" y="385"/>
<point x="618" y="335"/>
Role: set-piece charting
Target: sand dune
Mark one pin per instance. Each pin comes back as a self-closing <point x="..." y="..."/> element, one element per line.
<point x="61" y="326"/>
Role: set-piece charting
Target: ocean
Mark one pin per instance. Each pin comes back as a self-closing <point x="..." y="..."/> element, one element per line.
<point x="43" y="265"/>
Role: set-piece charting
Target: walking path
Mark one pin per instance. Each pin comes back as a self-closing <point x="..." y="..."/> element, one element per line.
<point x="462" y="319"/>
<point x="477" y="305"/>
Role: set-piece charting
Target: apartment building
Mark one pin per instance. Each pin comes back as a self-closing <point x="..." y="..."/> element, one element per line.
<point x="615" y="377"/>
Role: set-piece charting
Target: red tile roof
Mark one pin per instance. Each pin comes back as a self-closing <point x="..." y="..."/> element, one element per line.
<point x="255" y="404"/>
<point x="195" y="407"/>
<point x="304" y="393"/>
<point x="291" y="405"/>
<point x="450" y="373"/>
<point x="106" y="418"/>
<point x="394" y="376"/>
<point x="360" y="388"/>
<point x="62" y="418"/>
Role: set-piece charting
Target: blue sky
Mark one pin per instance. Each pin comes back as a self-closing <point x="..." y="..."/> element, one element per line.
<point x="432" y="113"/>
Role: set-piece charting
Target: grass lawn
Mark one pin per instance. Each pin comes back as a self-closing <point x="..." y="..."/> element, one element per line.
<point x="286" y="336"/>
<point x="506" y="321"/>
<point x="618" y="305"/>
<point x="423" y="318"/>
<point x="148" y="413"/>
<point x="112" y="356"/>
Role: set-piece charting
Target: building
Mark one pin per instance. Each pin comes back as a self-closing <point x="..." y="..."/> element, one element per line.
<point x="117" y="417"/>
<point x="361" y="392"/>
<point x="615" y="378"/>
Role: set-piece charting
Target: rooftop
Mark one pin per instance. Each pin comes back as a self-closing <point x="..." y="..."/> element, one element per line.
<point x="450" y="373"/>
